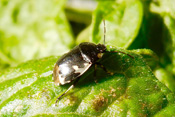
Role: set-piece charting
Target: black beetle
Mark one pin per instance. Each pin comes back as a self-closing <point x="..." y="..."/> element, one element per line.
<point x="76" y="62"/>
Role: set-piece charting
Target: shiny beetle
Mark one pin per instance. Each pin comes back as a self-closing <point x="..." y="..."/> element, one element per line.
<point x="76" y="62"/>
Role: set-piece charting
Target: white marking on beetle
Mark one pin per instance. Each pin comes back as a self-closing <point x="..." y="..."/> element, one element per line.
<point x="75" y="67"/>
<point x="82" y="70"/>
<point x="86" y="64"/>
<point x="62" y="80"/>
<point x="64" y="68"/>
<point x="85" y="58"/>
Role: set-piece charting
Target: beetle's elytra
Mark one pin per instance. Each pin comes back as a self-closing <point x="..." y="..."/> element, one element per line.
<point x="76" y="62"/>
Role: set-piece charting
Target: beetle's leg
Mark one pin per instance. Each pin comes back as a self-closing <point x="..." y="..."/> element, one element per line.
<point x="95" y="77"/>
<point x="121" y="52"/>
<point x="102" y="66"/>
<point x="72" y="86"/>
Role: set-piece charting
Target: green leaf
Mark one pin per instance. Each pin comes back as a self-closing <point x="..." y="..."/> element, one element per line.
<point x="149" y="56"/>
<point x="32" y="29"/>
<point x="123" y="20"/>
<point x="133" y="90"/>
<point x="167" y="12"/>
<point x="165" y="77"/>
<point x="84" y="36"/>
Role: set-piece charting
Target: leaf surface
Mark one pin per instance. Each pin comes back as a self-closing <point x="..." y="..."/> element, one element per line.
<point x="28" y="90"/>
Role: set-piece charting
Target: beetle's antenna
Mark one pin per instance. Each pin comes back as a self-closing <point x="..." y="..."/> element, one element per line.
<point x="122" y="53"/>
<point x="104" y="31"/>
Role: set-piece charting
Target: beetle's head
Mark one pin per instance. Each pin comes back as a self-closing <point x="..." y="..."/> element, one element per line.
<point x="101" y="48"/>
